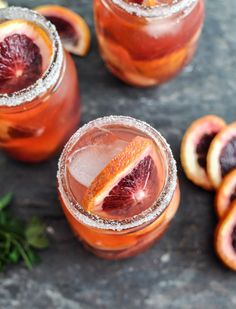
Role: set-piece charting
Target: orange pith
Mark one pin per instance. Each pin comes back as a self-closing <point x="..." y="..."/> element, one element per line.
<point x="224" y="193"/>
<point x="76" y="21"/>
<point x="192" y="136"/>
<point x="223" y="238"/>
<point x="115" y="170"/>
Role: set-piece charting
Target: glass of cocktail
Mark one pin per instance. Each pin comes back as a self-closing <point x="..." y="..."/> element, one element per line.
<point x="147" y="42"/>
<point x="39" y="95"/>
<point x="118" y="186"/>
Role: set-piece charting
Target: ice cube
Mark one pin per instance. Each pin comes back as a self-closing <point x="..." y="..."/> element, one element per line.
<point x="161" y="29"/>
<point x="87" y="162"/>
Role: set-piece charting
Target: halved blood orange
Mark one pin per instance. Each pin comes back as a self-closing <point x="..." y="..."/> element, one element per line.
<point x="128" y="183"/>
<point x="72" y="28"/>
<point x="194" y="148"/>
<point x="225" y="238"/>
<point x="226" y="193"/>
<point x="221" y="158"/>
<point x="25" y="54"/>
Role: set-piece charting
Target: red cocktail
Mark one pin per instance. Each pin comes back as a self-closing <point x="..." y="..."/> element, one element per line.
<point x="118" y="186"/>
<point x="147" y="45"/>
<point x="39" y="95"/>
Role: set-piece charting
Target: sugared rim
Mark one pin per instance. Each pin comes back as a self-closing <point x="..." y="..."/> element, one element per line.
<point x="162" y="10"/>
<point x="144" y="217"/>
<point x="51" y="75"/>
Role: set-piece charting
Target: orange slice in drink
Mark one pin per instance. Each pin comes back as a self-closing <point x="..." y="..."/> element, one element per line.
<point x="72" y="28"/>
<point x="128" y="183"/>
<point x="25" y="54"/>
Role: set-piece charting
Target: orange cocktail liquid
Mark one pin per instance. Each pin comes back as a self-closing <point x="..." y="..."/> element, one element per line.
<point x="35" y="133"/>
<point x="83" y="161"/>
<point x="33" y="128"/>
<point x="147" y="46"/>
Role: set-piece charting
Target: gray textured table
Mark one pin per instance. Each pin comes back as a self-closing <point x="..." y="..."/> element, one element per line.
<point x="181" y="271"/>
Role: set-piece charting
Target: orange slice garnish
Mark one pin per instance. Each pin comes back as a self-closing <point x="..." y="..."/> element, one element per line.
<point x="72" y="28"/>
<point x="128" y="183"/>
<point x="25" y="54"/>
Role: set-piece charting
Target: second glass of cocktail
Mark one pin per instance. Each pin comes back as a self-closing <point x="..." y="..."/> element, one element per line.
<point x="147" y="42"/>
<point x="39" y="94"/>
<point x="118" y="186"/>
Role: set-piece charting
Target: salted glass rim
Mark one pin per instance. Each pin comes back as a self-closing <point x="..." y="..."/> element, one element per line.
<point x="145" y="216"/>
<point x="51" y="75"/>
<point x="161" y="11"/>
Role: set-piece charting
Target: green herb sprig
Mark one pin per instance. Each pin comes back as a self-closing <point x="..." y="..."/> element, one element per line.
<point x="19" y="239"/>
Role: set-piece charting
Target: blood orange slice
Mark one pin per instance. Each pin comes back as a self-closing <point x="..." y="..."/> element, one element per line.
<point x="25" y="54"/>
<point x="226" y="193"/>
<point x="194" y="148"/>
<point x="221" y="157"/>
<point x="128" y="183"/>
<point x="225" y="237"/>
<point x="72" y="28"/>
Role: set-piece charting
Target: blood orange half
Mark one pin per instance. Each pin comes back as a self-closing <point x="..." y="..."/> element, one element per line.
<point x="128" y="183"/>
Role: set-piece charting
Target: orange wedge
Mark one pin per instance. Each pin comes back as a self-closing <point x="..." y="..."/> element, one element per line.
<point x="127" y="185"/>
<point x="72" y="28"/>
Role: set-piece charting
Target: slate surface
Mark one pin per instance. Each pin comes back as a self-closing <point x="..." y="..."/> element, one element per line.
<point x="181" y="271"/>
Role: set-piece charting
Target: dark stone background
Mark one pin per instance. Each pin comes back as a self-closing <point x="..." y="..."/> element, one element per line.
<point x="181" y="271"/>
